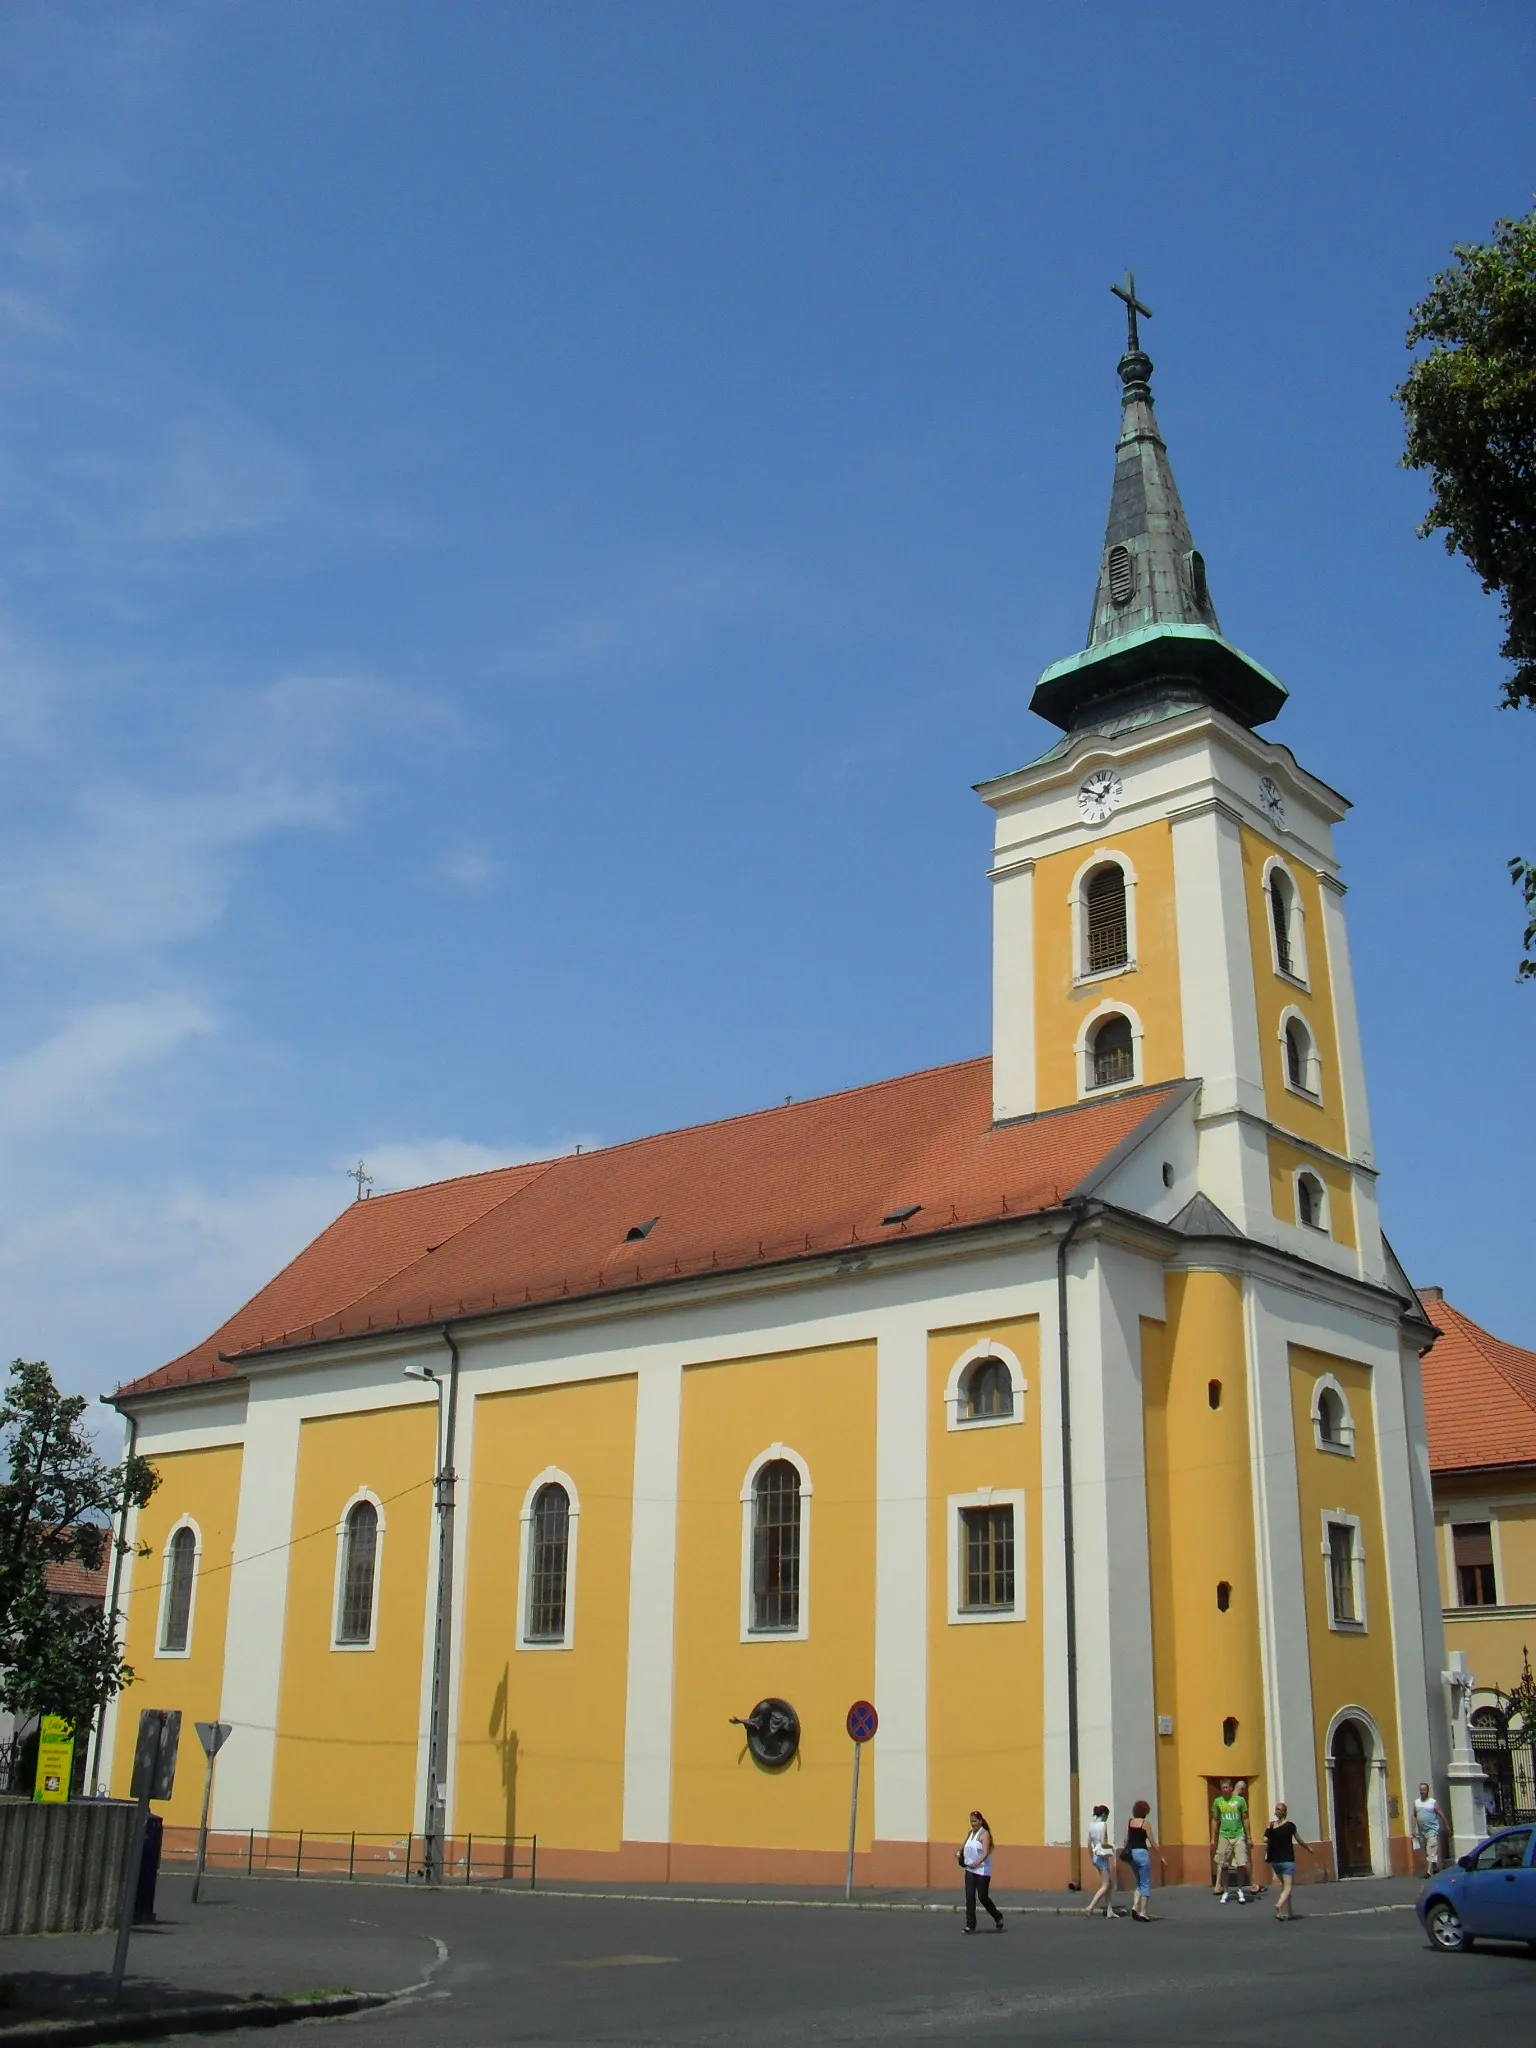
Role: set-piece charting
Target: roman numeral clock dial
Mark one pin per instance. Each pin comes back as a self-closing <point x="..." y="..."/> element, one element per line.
<point x="1099" y="795"/>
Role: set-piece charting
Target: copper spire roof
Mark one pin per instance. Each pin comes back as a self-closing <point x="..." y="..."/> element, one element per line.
<point x="912" y="1158"/>
<point x="1154" y="624"/>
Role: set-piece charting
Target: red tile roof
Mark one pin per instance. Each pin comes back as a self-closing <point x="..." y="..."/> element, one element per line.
<point x="71" y="1580"/>
<point x="760" y="1190"/>
<point x="1479" y="1394"/>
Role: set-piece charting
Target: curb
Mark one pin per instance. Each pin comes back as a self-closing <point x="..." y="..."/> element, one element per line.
<point x="188" y="2019"/>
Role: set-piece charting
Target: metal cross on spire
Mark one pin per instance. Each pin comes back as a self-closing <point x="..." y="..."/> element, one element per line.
<point x="1133" y="306"/>
<point x="362" y="1176"/>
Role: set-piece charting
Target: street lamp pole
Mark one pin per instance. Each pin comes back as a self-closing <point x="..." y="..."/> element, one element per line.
<point x="436" y="1819"/>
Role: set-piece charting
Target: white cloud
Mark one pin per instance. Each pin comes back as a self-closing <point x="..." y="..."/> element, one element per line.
<point x="68" y="1072"/>
<point x="468" y="869"/>
<point x="411" y="1165"/>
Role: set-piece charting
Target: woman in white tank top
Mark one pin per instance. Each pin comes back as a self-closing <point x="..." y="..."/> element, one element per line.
<point x="975" y="1860"/>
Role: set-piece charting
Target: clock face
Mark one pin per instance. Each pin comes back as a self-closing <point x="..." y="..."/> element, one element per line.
<point x="1099" y="795"/>
<point x="1272" y="800"/>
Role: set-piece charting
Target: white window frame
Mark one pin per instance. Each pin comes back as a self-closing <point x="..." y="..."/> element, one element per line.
<point x="355" y="1649"/>
<point x="1457" y="1517"/>
<point x="1340" y="1517"/>
<point x="802" y="1629"/>
<point x="1326" y="1383"/>
<point x="1289" y="1015"/>
<point x="550" y="1476"/>
<point x="186" y="1522"/>
<point x="954" y="1396"/>
<point x="1322" y="1205"/>
<point x="961" y="1616"/>
<point x="1101" y="857"/>
<point x="1296" y="926"/>
<point x="1083" y="1052"/>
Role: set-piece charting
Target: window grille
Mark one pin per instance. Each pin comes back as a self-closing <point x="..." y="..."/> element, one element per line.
<point x="180" y="1565"/>
<point x="1280" y="914"/>
<point x="1114" y="1056"/>
<point x="549" y="1537"/>
<point x="776" y="1547"/>
<point x="1473" y="1545"/>
<point x="1107" y="934"/>
<point x="1341" y="1571"/>
<point x="988" y="1561"/>
<point x="988" y="1390"/>
<point x="360" y="1552"/>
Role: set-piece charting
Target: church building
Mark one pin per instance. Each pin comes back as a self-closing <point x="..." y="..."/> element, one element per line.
<point x="1064" y="1404"/>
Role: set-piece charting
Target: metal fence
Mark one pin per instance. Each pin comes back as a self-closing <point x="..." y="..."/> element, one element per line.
<point x="358" y="1855"/>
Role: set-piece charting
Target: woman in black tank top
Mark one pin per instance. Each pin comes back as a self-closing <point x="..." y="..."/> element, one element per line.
<point x="1139" y="1844"/>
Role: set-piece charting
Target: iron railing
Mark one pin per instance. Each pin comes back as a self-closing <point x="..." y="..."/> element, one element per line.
<point x="358" y="1855"/>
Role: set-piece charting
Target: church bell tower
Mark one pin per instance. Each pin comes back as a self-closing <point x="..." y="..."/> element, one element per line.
<point x="1167" y="902"/>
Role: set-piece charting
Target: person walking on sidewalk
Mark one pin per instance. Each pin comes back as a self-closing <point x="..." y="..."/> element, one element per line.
<point x="1101" y="1849"/>
<point x="976" y="1862"/>
<point x="1139" y="1844"/>
<point x="1432" y="1829"/>
<point x="1282" y="1838"/>
<point x="1230" y="1852"/>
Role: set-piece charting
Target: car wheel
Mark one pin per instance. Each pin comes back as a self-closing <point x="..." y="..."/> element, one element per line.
<point x="1442" y="1923"/>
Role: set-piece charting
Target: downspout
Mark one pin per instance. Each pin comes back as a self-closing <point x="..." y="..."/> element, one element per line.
<point x="99" y="1718"/>
<point x="437" y="1732"/>
<point x="1078" y="1212"/>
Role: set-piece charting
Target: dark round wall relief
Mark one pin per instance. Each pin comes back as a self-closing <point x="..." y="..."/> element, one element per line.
<point x="773" y="1733"/>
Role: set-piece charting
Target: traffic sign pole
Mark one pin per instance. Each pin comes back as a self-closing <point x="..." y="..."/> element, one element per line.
<point x="861" y="1724"/>
<point x="212" y="1735"/>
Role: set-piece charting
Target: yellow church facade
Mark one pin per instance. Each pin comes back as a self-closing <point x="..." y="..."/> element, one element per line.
<point x="1064" y="1404"/>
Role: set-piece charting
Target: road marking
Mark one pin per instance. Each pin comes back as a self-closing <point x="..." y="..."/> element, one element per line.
<point x="613" y="1962"/>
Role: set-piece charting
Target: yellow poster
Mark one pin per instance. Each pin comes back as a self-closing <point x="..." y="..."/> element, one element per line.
<point x="55" y="1759"/>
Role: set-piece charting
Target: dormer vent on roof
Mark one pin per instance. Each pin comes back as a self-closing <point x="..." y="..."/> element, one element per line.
<point x="637" y="1231"/>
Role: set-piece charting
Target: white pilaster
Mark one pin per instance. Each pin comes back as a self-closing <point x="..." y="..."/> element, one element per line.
<point x="652" y="1603"/>
<point x="1290" y="1756"/>
<point x="258" y="1601"/>
<point x="1219" y="1006"/>
<point x="1053" y="1592"/>
<point x="1013" y="988"/>
<point x="901" y="1581"/>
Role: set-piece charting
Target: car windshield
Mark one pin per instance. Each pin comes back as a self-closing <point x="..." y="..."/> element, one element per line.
<point x="1505" y="1852"/>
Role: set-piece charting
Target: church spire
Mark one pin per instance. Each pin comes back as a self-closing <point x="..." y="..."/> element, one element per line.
<point x="1149" y="572"/>
<point x="1154" y="641"/>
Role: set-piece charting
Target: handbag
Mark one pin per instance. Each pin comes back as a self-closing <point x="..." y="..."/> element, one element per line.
<point x="1126" y="1856"/>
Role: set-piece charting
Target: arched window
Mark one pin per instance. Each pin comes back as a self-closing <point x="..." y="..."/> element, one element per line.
<point x="549" y="1555"/>
<point x="359" y="1573"/>
<point x="776" y="1547"/>
<point x="1311" y="1202"/>
<point x="1300" y="1057"/>
<point x="176" y="1613"/>
<point x="1280" y="895"/>
<point x="1330" y="1416"/>
<point x="1106" y="939"/>
<point x="1333" y="1427"/>
<point x="1114" y="1053"/>
<point x="988" y="1391"/>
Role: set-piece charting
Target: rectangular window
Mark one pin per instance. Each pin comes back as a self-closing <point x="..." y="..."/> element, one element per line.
<point x="986" y="1563"/>
<point x="1341" y="1572"/>
<point x="1473" y="1544"/>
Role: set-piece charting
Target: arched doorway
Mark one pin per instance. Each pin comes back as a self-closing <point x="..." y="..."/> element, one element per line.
<point x="1351" y="1802"/>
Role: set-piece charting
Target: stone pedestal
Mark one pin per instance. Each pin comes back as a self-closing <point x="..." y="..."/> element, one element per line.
<point x="1468" y="1820"/>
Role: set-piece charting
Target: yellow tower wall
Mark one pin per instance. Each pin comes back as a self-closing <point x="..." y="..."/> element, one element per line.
<point x="1349" y="1668"/>
<point x="1284" y="1160"/>
<point x="731" y="1820"/>
<point x="1150" y="988"/>
<point x="349" y="1721"/>
<point x="1206" y="1662"/>
<point x="1321" y="1121"/>
<point x="986" y="1680"/>
<point x="205" y="1486"/>
<point x="541" y="1730"/>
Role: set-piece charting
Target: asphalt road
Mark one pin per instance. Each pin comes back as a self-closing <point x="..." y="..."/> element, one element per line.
<point x="1354" y="1969"/>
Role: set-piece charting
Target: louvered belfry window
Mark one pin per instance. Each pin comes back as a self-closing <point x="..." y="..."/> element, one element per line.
<point x="180" y="1564"/>
<point x="1280" y="914"/>
<point x="549" y="1534"/>
<point x="1122" y="574"/>
<point x="360" y="1555"/>
<point x="1107" y="935"/>
<point x="1341" y="1570"/>
<point x="988" y="1536"/>
<point x="776" y="1547"/>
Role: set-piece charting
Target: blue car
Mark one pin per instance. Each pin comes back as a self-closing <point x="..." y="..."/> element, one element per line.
<point x="1490" y="1893"/>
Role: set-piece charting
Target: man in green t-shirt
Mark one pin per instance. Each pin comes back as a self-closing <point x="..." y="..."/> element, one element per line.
<point x="1229" y="1843"/>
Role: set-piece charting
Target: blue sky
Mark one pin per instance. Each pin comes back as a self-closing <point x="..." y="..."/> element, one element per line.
<point x="521" y="525"/>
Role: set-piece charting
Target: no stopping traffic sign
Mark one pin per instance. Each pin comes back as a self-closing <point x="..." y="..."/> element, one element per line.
<point x="862" y="1720"/>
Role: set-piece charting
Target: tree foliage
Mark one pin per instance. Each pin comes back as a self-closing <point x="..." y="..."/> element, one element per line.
<point x="59" y="1504"/>
<point x="1470" y="408"/>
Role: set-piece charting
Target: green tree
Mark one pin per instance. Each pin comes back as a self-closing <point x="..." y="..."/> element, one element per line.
<point x="59" y="1503"/>
<point x="1470" y="408"/>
